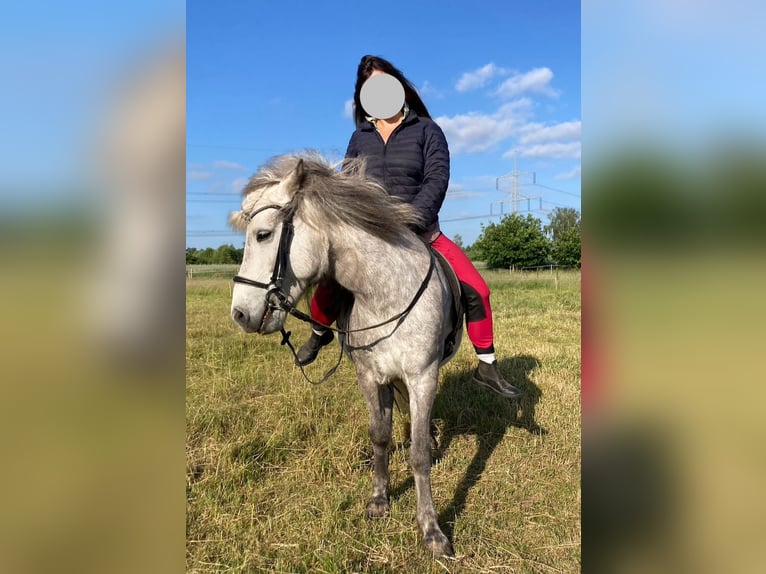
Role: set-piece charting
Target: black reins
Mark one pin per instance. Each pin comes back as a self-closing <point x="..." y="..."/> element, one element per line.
<point x="276" y="298"/>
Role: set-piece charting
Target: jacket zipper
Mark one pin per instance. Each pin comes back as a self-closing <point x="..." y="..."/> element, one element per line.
<point x="385" y="149"/>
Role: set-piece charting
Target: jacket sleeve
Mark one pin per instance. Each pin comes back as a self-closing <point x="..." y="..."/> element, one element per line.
<point x="429" y="199"/>
<point x="351" y="150"/>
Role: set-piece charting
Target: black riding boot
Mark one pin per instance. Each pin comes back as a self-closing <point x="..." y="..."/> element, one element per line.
<point x="488" y="375"/>
<point x="310" y="349"/>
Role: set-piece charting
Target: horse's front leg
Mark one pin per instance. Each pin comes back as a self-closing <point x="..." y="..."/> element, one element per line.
<point x="380" y="400"/>
<point x="422" y="394"/>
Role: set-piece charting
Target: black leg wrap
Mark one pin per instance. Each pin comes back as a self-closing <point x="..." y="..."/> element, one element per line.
<point x="487" y="351"/>
<point x="474" y="306"/>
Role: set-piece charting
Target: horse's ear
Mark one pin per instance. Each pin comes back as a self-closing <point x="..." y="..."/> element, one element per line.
<point x="294" y="181"/>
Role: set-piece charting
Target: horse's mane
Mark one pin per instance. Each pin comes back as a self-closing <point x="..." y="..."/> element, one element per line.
<point x="328" y="196"/>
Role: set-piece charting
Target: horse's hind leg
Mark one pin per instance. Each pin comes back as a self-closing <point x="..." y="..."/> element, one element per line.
<point x="380" y="400"/>
<point x="422" y="395"/>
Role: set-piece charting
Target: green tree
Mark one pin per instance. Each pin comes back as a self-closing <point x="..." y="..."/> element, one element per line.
<point x="567" y="249"/>
<point x="458" y="240"/>
<point x="515" y="241"/>
<point x="472" y="253"/>
<point x="205" y="256"/>
<point x="564" y="232"/>
<point x="226" y="254"/>
<point x="191" y="255"/>
<point x="562" y="220"/>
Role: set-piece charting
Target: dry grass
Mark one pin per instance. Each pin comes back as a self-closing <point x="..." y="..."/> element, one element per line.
<point x="278" y="470"/>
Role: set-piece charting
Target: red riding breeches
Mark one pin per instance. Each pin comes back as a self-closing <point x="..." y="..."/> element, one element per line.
<point x="475" y="297"/>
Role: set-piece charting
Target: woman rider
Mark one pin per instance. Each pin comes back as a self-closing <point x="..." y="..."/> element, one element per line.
<point x="407" y="153"/>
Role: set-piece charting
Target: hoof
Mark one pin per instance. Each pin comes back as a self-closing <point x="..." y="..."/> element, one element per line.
<point x="377" y="508"/>
<point x="438" y="544"/>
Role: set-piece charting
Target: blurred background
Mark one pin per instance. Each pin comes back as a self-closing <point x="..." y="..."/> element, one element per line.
<point x="92" y="290"/>
<point x="92" y="129"/>
<point x="674" y="218"/>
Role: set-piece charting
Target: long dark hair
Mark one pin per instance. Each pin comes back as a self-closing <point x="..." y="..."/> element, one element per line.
<point x="366" y="67"/>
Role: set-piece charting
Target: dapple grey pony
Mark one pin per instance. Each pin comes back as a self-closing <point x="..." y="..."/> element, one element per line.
<point x="306" y="221"/>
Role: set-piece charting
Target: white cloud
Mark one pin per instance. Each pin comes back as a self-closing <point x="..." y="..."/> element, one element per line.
<point x="572" y="174"/>
<point x="458" y="191"/>
<point x="535" y="81"/>
<point x="479" y="77"/>
<point x="348" y="109"/>
<point x="556" y="150"/>
<point x="198" y="175"/>
<point x="458" y="216"/>
<point x="426" y="90"/>
<point x="537" y="133"/>
<point x="476" y="132"/>
<point x="225" y="164"/>
<point x="459" y="195"/>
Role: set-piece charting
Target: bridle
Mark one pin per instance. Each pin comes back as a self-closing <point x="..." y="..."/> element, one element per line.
<point x="278" y="299"/>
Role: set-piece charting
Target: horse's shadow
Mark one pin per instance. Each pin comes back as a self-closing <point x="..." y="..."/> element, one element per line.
<point x="464" y="408"/>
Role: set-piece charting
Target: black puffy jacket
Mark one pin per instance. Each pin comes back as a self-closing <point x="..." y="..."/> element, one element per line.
<point x="413" y="165"/>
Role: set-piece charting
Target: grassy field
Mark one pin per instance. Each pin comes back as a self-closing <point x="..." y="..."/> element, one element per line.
<point x="278" y="471"/>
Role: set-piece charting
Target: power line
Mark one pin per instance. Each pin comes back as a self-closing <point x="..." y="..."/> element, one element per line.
<point x="470" y="217"/>
<point x="558" y="190"/>
<point x="234" y="147"/>
<point x="213" y="234"/>
<point x="229" y="201"/>
<point x="515" y="184"/>
<point x="326" y="150"/>
<point x="516" y="198"/>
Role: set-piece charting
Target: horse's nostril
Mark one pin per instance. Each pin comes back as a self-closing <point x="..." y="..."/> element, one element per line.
<point x="240" y="317"/>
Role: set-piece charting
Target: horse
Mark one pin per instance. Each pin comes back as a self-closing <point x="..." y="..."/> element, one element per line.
<point x="307" y="221"/>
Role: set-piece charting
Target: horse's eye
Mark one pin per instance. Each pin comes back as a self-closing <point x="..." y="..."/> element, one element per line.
<point x="262" y="236"/>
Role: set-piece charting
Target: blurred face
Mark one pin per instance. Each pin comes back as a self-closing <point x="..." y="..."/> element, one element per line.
<point x="382" y="95"/>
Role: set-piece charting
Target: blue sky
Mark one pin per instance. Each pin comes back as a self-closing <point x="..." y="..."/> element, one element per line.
<point x="58" y="62"/>
<point x="267" y="78"/>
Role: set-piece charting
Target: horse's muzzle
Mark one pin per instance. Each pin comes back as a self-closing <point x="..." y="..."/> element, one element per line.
<point x="242" y="318"/>
<point x="264" y="325"/>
